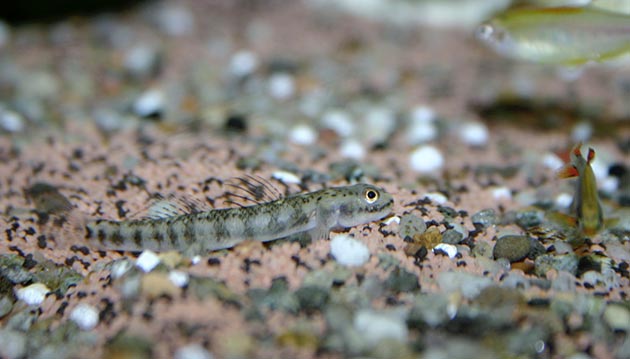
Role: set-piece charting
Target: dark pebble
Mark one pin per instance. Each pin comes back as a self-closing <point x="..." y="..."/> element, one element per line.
<point x="512" y="247"/>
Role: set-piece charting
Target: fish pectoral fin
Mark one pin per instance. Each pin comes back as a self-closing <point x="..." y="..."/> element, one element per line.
<point x="562" y="219"/>
<point x="568" y="171"/>
<point x="319" y="232"/>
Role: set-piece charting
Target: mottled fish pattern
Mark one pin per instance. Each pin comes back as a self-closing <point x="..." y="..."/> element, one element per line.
<point x="314" y="212"/>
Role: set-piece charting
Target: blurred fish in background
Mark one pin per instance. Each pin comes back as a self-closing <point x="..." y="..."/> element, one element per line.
<point x="565" y="35"/>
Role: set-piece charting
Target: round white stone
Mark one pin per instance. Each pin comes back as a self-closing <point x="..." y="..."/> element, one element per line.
<point x="552" y="161"/>
<point x="436" y="197"/>
<point x="375" y="326"/>
<point x="119" y="268"/>
<point x="193" y="351"/>
<point x="149" y="103"/>
<point x="303" y="135"/>
<point x="176" y="20"/>
<point x="11" y="121"/>
<point x="147" y="261"/>
<point x="447" y="248"/>
<point x="179" y="278"/>
<point x="85" y="315"/>
<point x="379" y="122"/>
<point x="33" y="294"/>
<point x="281" y="86"/>
<point x="421" y="132"/>
<point x="501" y="193"/>
<point x="582" y="132"/>
<point x="426" y="159"/>
<point x="609" y="184"/>
<point x="286" y="177"/>
<point x="422" y="114"/>
<point x="339" y="121"/>
<point x="352" y="149"/>
<point x="243" y="63"/>
<point x="392" y="219"/>
<point x="474" y="134"/>
<point x="563" y="200"/>
<point x="348" y="251"/>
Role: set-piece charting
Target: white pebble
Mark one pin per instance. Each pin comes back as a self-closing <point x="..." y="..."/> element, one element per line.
<point x="119" y="268"/>
<point x="379" y="122"/>
<point x="501" y="193"/>
<point x="348" y="251"/>
<point x="552" y="161"/>
<point x="303" y="135"/>
<point x="85" y="315"/>
<point x="436" y="197"/>
<point x="33" y="294"/>
<point x="286" y="177"/>
<point x="147" y="261"/>
<point x="447" y="248"/>
<point x="193" y="351"/>
<point x="581" y="132"/>
<point x="149" y="103"/>
<point x="281" y="86"/>
<point x="609" y="184"/>
<point x="375" y="326"/>
<point x="11" y="121"/>
<point x="600" y="168"/>
<point x="339" y="121"/>
<point x="426" y="159"/>
<point x="352" y="149"/>
<point x="390" y="220"/>
<point x="422" y="114"/>
<point x="179" y="278"/>
<point x="243" y="63"/>
<point x="474" y="134"/>
<point x="176" y="20"/>
<point x="421" y="132"/>
<point x="564" y="200"/>
<point x="196" y="259"/>
<point x="141" y="60"/>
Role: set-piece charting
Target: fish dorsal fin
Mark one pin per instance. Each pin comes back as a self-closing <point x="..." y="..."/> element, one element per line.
<point x="249" y="190"/>
<point x="591" y="155"/>
<point x="171" y="206"/>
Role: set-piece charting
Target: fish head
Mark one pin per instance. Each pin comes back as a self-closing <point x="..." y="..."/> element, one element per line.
<point x="363" y="203"/>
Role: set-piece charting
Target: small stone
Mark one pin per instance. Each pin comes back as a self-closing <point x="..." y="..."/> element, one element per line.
<point x="11" y="121"/>
<point x="563" y="200"/>
<point x="426" y="160"/>
<point x="339" y="121"/>
<point x="375" y="326"/>
<point x="474" y="134"/>
<point x="6" y="304"/>
<point x="352" y="149"/>
<point x="303" y="135"/>
<point x="12" y="343"/>
<point x="421" y="132"/>
<point x="179" y="278"/>
<point x="449" y="249"/>
<point x="436" y="197"/>
<point x="529" y="219"/>
<point x="452" y="236"/>
<point x="617" y="317"/>
<point x="581" y="132"/>
<point x="565" y="262"/>
<point x="501" y="193"/>
<point x="470" y="285"/>
<point x="429" y="239"/>
<point x="348" y="251"/>
<point x="552" y="161"/>
<point x="85" y="316"/>
<point x="243" y="63"/>
<point x="400" y="280"/>
<point x="147" y="261"/>
<point x="411" y="225"/>
<point x="422" y="114"/>
<point x="149" y="104"/>
<point x="286" y="177"/>
<point x="512" y="247"/>
<point x="142" y="61"/>
<point x="33" y="294"/>
<point x="312" y="297"/>
<point x="192" y="351"/>
<point x="485" y="218"/>
<point x="156" y="284"/>
<point x="175" y="20"/>
<point x="380" y="123"/>
<point x="281" y="86"/>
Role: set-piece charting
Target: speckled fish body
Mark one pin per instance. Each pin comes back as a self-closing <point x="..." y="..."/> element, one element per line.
<point x="620" y="6"/>
<point x="586" y="204"/>
<point x="315" y="212"/>
<point x="564" y="36"/>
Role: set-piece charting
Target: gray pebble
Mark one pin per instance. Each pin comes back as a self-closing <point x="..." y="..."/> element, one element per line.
<point x="529" y="219"/>
<point x="452" y="236"/>
<point x="411" y="225"/>
<point x="512" y="247"/>
<point x="566" y="262"/>
<point x="485" y="218"/>
<point x="312" y="297"/>
<point x="6" y="304"/>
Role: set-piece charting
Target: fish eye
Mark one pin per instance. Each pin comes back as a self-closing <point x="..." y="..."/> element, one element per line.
<point x="484" y="31"/>
<point x="371" y="195"/>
